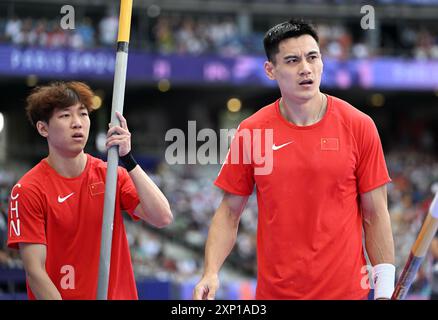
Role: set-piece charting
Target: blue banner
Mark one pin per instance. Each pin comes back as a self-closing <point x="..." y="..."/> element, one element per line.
<point x="382" y="73"/>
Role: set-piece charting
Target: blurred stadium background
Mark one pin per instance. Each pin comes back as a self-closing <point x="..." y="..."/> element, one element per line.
<point x="202" y="60"/>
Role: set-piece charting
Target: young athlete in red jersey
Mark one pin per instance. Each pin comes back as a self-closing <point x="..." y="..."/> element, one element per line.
<point x="56" y="209"/>
<point x="327" y="182"/>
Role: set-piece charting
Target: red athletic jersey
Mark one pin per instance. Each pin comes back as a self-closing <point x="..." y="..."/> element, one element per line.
<point x="309" y="235"/>
<point x="66" y="214"/>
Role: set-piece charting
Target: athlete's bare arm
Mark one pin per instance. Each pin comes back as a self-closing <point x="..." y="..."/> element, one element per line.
<point x="154" y="207"/>
<point x="221" y="239"/>
<point x="34" y="260"/>
<point x="377" y="226"/>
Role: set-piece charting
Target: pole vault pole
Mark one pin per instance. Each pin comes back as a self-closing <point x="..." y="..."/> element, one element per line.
<point x="113" y="152"/>
<point x="418" y="252"/>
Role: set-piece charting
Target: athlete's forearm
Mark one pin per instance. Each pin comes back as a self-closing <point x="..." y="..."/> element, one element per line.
<point x="154" y="205"/>
<point x="380" y="248"/>
<point x="378" y="238"/>
<point x="34" y="261"/>
<point x="221" y="237"/>
<point x="379" y="241"/>
<point x="42" y="286"/>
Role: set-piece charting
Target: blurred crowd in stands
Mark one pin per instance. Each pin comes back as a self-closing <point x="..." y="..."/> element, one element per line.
<point x="185" y="34"/>
<point x="414" y="183"/>
<point x="175" y="253"/>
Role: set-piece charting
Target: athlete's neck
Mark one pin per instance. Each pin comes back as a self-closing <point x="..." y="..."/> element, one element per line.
<point x="68" y="167"/>
<point x="304" y="113"/>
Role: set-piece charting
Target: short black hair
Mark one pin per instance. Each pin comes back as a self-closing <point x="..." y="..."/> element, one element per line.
<point x="293" y="28"/>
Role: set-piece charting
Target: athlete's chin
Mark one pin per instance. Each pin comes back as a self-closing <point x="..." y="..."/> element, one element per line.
<point x="307" y="95"/>
<point x="76" y="150"/>
<point x="79" y="143"/>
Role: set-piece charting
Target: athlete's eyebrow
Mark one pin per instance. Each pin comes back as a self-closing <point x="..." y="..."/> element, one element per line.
<point x="312" y="52"/>
<point x="295" y="56"/>
<point x="291" y="56"/>
<point x="82" y="106"/>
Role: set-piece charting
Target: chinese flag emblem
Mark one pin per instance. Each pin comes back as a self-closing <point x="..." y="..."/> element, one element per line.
<point x="97" y="188"/>
<point x="330" y="144"/>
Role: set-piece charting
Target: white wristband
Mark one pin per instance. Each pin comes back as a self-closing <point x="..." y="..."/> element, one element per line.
<point x="383" y="278"/>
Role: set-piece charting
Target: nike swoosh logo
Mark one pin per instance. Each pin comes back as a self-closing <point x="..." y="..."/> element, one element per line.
<point x="61" y="200"/>
<point x="274" y="147"/>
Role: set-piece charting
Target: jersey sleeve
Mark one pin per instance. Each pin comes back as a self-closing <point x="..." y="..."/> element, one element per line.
<point x="129" y="199"/>
<point x="237" y="173"/>
<point x="371" y="170"/>
<point x="26" y="216"/>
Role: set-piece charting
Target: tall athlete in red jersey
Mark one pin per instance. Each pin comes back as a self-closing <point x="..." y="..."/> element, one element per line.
<point x="326" y="183"/>
<point x="56" y="209"/>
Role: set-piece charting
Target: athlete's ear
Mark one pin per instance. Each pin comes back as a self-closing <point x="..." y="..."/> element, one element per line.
<point x="269" y="70"/>
<point x="42" y="128"/>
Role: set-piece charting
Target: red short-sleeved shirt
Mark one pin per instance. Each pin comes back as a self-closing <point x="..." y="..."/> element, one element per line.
<point x="66" y="214"/>
<point x="309" y="237"/>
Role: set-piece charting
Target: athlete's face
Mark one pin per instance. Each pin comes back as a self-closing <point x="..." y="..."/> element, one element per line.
<point x="67" y="130"/>
<point x="297" y="68"/>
